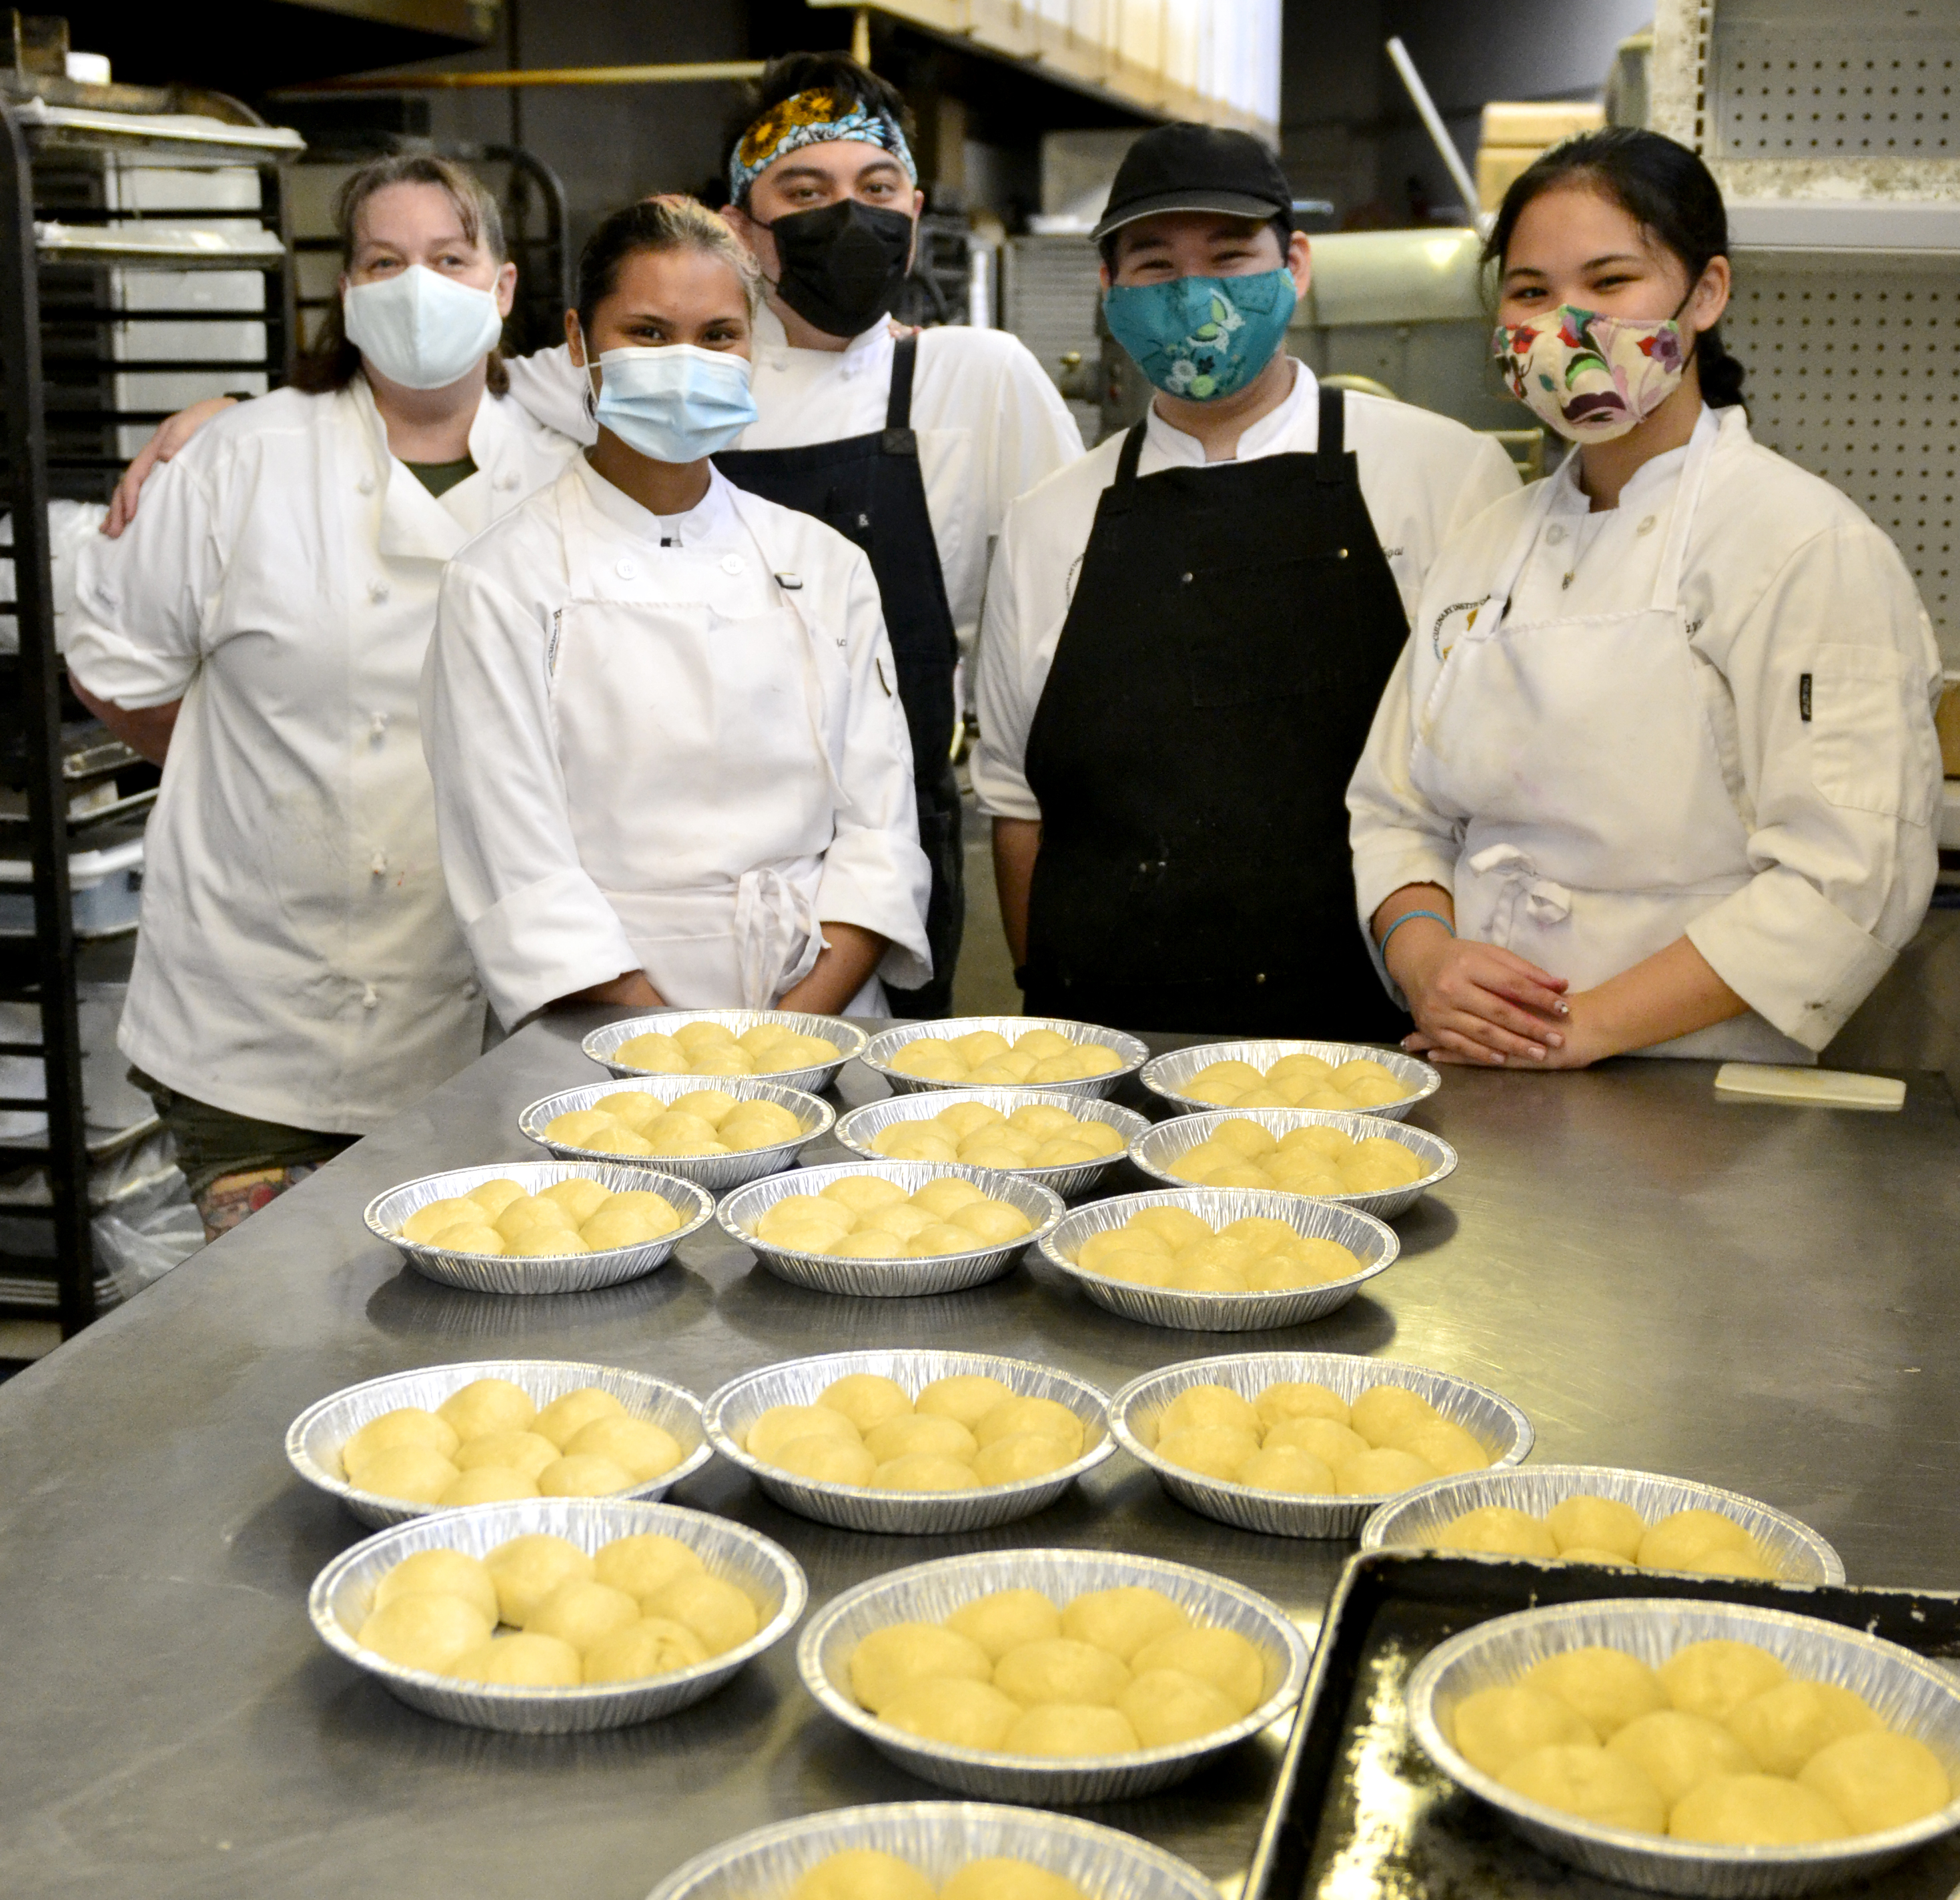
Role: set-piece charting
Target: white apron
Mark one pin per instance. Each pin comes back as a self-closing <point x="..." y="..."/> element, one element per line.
<point x="1602" y="812"/>
<point x="661" y="729"/>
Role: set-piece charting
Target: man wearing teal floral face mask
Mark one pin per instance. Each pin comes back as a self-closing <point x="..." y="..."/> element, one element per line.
<point x="1187" y="632"/>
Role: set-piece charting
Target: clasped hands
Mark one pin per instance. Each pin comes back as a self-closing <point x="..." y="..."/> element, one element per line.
<point x="1477" y="1003"/>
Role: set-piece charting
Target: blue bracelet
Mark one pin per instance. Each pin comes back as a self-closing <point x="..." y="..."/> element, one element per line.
<point x="1434" y="916"/>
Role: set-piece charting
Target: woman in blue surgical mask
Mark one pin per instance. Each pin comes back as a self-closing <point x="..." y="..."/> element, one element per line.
<point x="670" y="766"/>
<point x="259" y="632"/>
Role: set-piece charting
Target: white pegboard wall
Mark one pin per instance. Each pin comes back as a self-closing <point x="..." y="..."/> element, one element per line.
<point x="1854" y="374"/>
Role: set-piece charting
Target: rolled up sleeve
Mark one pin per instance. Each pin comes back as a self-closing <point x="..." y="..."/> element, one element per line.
<point x="537" y="926"/>
<point x="875" y="875"/>
<point x="1833" y="677"/>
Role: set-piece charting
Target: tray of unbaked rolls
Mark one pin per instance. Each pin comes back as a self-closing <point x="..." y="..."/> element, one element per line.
<point x="1478" y="1725"/>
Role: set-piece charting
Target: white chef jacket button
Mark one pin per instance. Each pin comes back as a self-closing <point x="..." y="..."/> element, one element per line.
<point x="1646" y="526"/>
<point x="378" y="865"/>
<point x="377" y="591"/>
<point x="1184" y="580"/>
<point x="508" y="479"/>
<point x="365" y="485"/>
<point x="370" y="998"/>
<point x="624" y="570"/>
<point x="1554" y="534"/>
<point x="379" y="725"/>
<point x="470" y="992"/>
<point x="731" y="563"/>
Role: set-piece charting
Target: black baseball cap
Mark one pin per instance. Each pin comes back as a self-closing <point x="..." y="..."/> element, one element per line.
<point x="1192" y="167"/>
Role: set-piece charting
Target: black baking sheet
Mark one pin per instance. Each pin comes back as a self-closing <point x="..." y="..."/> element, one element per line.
<point x="1360" y="1813"/>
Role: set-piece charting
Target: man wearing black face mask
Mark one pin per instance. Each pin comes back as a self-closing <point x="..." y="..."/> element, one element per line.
<point x="911" y="445"/>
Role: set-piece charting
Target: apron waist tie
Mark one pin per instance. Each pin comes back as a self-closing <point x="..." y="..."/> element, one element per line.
<point x="1546" y="901"/>
<point x="777" y="940"/>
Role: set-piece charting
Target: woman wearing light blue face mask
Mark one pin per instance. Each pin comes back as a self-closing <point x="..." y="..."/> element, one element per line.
<point x="1657" y="771"/>
<point x="670" y="767"/>
<point x="259" y="631"/>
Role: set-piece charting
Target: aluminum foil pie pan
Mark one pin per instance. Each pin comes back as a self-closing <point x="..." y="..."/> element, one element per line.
<point x="887" y="1043"/>
<point x="1166" y="1075"/>
<point x="733" y="1409"/>
<point x="929" y="1593"/>
<point x="1496" y="1424"/>
<point x="603" y="1043"/>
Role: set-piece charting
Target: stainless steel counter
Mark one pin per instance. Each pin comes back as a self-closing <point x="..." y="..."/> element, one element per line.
<point x="1766" y="1297"/>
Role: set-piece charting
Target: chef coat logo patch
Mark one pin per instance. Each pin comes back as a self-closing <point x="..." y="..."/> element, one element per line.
<point x="1453" y="622"/>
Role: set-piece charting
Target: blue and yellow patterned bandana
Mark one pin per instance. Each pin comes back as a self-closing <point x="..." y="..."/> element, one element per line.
<point x="811" y="118"/>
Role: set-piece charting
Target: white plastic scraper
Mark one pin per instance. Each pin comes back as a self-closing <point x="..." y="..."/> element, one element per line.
<point x="1809" y="1088"/>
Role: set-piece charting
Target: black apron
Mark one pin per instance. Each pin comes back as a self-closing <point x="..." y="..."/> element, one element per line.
<point x="869" y="488"/>
<point x="1228" y="642"/>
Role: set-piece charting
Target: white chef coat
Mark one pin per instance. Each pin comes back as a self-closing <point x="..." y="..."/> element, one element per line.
<point x="652" y="749"/>
<point x="1809" y="684"/>
<point x="989" y="421"/>
<point x="298" y="961"/>
<point x="1421" y="476"/>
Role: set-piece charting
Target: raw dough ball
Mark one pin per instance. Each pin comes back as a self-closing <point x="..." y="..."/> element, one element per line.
<point x="827" y="1461"/>
<point x="717" y="1611"/>
<point x="579" y="1197"/>
<point x="580" y="1613"/>
<point x="901" y="1653"/>
<point x="1445" y="1449"/>
<point x="1580" y="1554"/>
<point x="494" y="1196"/>
<point x="1607" y="1686"/>
<point x="812" y="1209"/>
<point x="488" y="1484"/>
<point x="868" y="1243"/>
<point x="1878" y="1780"/>
<point x="1676" y="1540"/>
<point x="524" y="1661"/>
<point x="1139" y="1269"/>
<point x="993" y="1222"/>
<point x="1220" y="1451"/>
<point x="640" y="1448"/>
<point x="759" y="1124"/>
<point x="1165" y="1706"/>
<point x="545" y="1241"/>
<point x="1754" y="1811"/>
<point x="1715" y="1677"/>
<point x="925" y="1471"/>
<point x="861" y="1873"/>
<point x="613" y="1228"/>
<point x="782" y="1424"/>
<point x="944" y="1197"/>
<point x="914" y="1141"/>
<point x="1678" y="1751"/>
<point x="1610" y="1790"/>
<point x="1210" y="1406"/>
<point x="657" y="1054"/>
<point x="1596" y="1523"/>
<point x="564" y="1416"/>
<point x="653" y="1645"/>
<point x="1020" y="1455"/>
<point x="1293" y="1399"/>
<point x="1731" y="1563"/>
<point x="643" y="1565"/>
<point x="1060" y="1668"/>
<point x="412" y="1473"/>
<point x="1177" y="1227"/>
<point x="1068" y="1728"/>
<point x="610" y="1135"/>
<point x="1286" y="1468"/>
<point x="424" y="1632"/>
<point x="1783" y="1727"/>
<point x="1370" y="1474"/>
<point x="408" y="1426"/>
<point x="1006" y="1619"/>
<point x="486" y="1405"/>
<point x="1333" y="1444"/>
<point x="521" y="1216"/>
<point x="1383" y="1410"/>
<point x="1495" y="1727"/>
<point x="898" y="1222"/>
<point x="942" y="1237"/>
<point x="913" y="1435"/>
<point x="1008" y="1880"/>
<point x="1498" y="1530"/>
<point x="860" y="1193"/>
<point x="1221" y="1657"/>
<point x="526" y="1570"/>
<point x="1122" y="1620"/>
<point x="968" y="1397"/>
<point x="440" y="1573"/>
<point x="1047" y="1416"/>
<point x="426" y="1222"/>
<point x="576" y="1475"/>
<point x="952" y="1709"/>
<point x="522" y="1451"/>
<point x="471" y="1237"/>
<point x="866" y="1399"/>
<point x="1095" y="1252"/>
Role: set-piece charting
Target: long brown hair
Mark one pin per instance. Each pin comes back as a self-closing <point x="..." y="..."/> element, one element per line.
<point x="333" y="361"/>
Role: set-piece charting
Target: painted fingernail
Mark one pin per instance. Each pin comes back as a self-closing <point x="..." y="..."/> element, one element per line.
<point x="1565" y="1009"/>
<point x="1496" y="1057"/>
<point x="1556" y="1041"/>
<point x="1537" y="1054"/>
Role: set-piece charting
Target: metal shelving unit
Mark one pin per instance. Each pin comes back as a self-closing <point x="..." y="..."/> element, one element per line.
<point x="90" y="361"/>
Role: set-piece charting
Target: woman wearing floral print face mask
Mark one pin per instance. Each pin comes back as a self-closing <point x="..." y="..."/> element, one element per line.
<point x="1656" y="772"/>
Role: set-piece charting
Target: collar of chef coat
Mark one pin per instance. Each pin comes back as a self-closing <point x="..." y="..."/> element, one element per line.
<point x="711" y="522"/>
<point x="865" y="355"/>
<point x="1293" y="428"/>
<point x="416" y="525"/>
<point x="1644" y="486"/>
